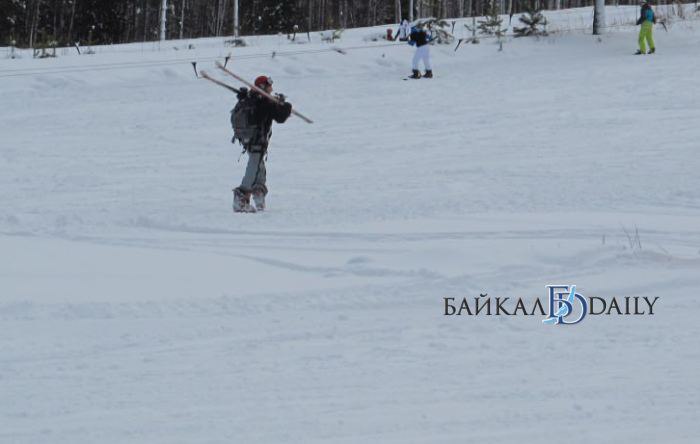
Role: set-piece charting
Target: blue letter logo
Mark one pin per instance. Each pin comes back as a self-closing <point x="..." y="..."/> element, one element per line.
<point x="561" y="304"/>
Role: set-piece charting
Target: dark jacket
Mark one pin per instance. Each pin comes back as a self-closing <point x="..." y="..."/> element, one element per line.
<point x="418" y="38"/>
<point x="265" y="112"/>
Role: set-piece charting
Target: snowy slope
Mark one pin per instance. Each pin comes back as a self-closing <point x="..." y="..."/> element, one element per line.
<point x="136" y="307"/>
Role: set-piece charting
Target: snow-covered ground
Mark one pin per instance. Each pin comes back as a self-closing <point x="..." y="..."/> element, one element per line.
<point x="136" y="307"/>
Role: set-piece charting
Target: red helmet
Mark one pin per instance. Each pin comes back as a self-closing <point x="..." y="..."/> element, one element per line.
<point x="263" y="81"/>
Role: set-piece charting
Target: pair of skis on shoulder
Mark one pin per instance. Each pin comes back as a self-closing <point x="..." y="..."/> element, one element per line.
<point x="260" y="91"/>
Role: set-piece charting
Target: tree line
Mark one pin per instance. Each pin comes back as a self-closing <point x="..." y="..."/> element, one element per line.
<point x="30" y="23"/>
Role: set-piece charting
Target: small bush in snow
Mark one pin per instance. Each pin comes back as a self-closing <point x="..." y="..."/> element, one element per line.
<point x="330" y="38"/>
<point x="46" y="49"/>
<point x="473" y="39"/>
<point x="535" y="23"/>
<point x="235" y="42"/>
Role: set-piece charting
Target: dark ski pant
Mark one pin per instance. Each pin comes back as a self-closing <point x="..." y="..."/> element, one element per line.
<point x="255" y="173"/>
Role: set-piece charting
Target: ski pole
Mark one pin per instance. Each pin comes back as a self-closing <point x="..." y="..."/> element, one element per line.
<point x="261" y="91"/>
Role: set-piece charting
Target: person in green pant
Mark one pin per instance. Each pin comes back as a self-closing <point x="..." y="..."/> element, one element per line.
<point x="647" y="20"/>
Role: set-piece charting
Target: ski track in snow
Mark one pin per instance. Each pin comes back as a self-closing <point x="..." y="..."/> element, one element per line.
<point x="137" y="308"/>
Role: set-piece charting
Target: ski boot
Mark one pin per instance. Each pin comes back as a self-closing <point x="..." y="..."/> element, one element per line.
<point x="259" y="193"/>
<point x="639" y="52"/>
<point x="415" y="75"/>
<point x="652" y="51"/>
<point x="428" y="74"/>
<point x="241" y="202"/>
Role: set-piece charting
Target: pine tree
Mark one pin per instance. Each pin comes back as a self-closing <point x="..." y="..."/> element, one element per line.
<point x="535" y="23"/>
<point x="491" y="25"/>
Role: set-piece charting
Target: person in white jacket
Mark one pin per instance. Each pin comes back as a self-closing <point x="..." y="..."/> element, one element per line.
<point x="404" y="31"/>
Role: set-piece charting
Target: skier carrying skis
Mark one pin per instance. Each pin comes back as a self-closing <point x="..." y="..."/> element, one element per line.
<point x="404" y="31"/>
<point x="421" y="40"/>
<point x="252" y="120"/>
<point x="647" y="20"/>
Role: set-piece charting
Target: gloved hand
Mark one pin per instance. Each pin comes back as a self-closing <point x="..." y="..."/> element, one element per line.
<point x="242" y="93"/>
<point x="281" y="97"/>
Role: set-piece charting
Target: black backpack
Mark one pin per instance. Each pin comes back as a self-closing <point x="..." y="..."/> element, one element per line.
<point x="245" y="129"/>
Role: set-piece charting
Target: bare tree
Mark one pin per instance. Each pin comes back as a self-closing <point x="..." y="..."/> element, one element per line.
<point x="163" y="18"/>
<point x="598" y="17"/>
<point x="182" y="19"/>
<point x="69" y="34"/>
<point x="236" y="25"/>
<point x="35" y="23"/>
